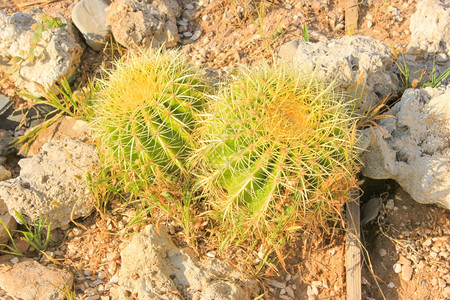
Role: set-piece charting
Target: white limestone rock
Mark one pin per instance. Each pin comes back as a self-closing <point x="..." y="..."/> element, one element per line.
<point x="57" y="54"/>
<point x="154" y="268"/>
<point x="413" y="147"/>
<point x="52" y="184"/>
<point x="430" y="26"/>
<point x="89" y="16"/>
<point x="348" y="60"/>
<point x="141" y="24"/>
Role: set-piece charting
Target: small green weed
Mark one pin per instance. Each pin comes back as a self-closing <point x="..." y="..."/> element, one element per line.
<point x="435" y="82"/>
<point x="305" y="34"/>
<point x="75" y="104"/>
<point x="38" y="236"/>
<point x="12" y="249"/>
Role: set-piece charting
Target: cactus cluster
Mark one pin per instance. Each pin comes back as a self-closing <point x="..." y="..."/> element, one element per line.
<point x="273" y="150"/>
<point x="145" y="114"/>
<point x="276" y="152"/>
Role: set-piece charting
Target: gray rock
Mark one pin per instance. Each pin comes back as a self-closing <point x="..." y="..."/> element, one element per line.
<point x="369" y="211"/>
<point x="5" y="174"/>
<point x="413" y="147"/>
<point x="348" y="60"/>
<point x="89" y="16"/>
<point x="5" y="104"/>
<point x="5" y="140"/>
<point x="57" y="54"/>
<point x="28" y="280"/>
<point x="52" y="183"/>
<point x="161" y="269"/>
<point x="430" y="26"/>
<point x="136" y="24"/>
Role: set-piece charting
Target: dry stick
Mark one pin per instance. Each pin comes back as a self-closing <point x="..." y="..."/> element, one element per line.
<point x="353" y="251"/>
<point x="39" y="2"/>
<point x="351" y="16"/>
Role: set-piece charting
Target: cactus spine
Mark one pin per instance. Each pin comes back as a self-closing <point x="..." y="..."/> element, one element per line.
<point x="277" y="152"/>
<point x="145" y="115"/>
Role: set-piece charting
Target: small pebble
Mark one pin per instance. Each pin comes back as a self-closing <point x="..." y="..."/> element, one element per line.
<point x="189" y="6"/>
<point x="397" y="268"/>
<point x="94" y="297"/>
<point x="294" y="286"/>
<point x="187" y="34"/>
<point x="196" y="35"/>
<point x="382" y="252"/>
<point x="369" y="24"/>
<point x="87" y="272"/>
<point x="390" y="204"/>
<point x="211" y="254"/>
<point x="441" y="58"/>
<point x="288" y="277"/>
<point x="391" y="285"/>
<point x="206" y="18"/>
<point x="14" y="260"/>
<point x="407" y="272"/>
<point x="276" y="284"/>
<point x="101" y="275"/>
<point x="309" y="291"/>
<point x="339" y="27"/>
<point x="433" y="254"/>
<point x="316" y="283"/>
<point x="290" y="292"/>
<point x="427" y="243"/>
<point x="114" y="279"/>
<point x="288" y="6"/>
<point x="442" y="283"/>
<point x="282" y="292"/>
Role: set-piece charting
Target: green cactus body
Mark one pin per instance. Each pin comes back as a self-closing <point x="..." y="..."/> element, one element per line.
<point x="276" y="151"/>
<point x="145" y="115"/>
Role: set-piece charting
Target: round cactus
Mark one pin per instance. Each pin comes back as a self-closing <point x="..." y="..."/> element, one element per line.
<point x="276" y="152"/>
<point x="145" y="115"/>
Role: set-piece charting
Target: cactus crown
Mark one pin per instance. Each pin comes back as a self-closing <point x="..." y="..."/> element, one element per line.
<point x="146" y="112"/>
<point x="277" y="152"/>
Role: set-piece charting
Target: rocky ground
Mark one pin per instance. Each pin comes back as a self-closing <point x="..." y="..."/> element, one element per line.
<point x="406" y="242"/>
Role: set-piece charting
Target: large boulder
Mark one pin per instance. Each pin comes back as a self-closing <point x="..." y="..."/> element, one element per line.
<point x="154" y="268"/>
<point x="144" y="23"/>
<point x="356" y="62"/>
<point x="413" y="147"/>
<point x="57" y="54"/>
<point x="52" y="184"/>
